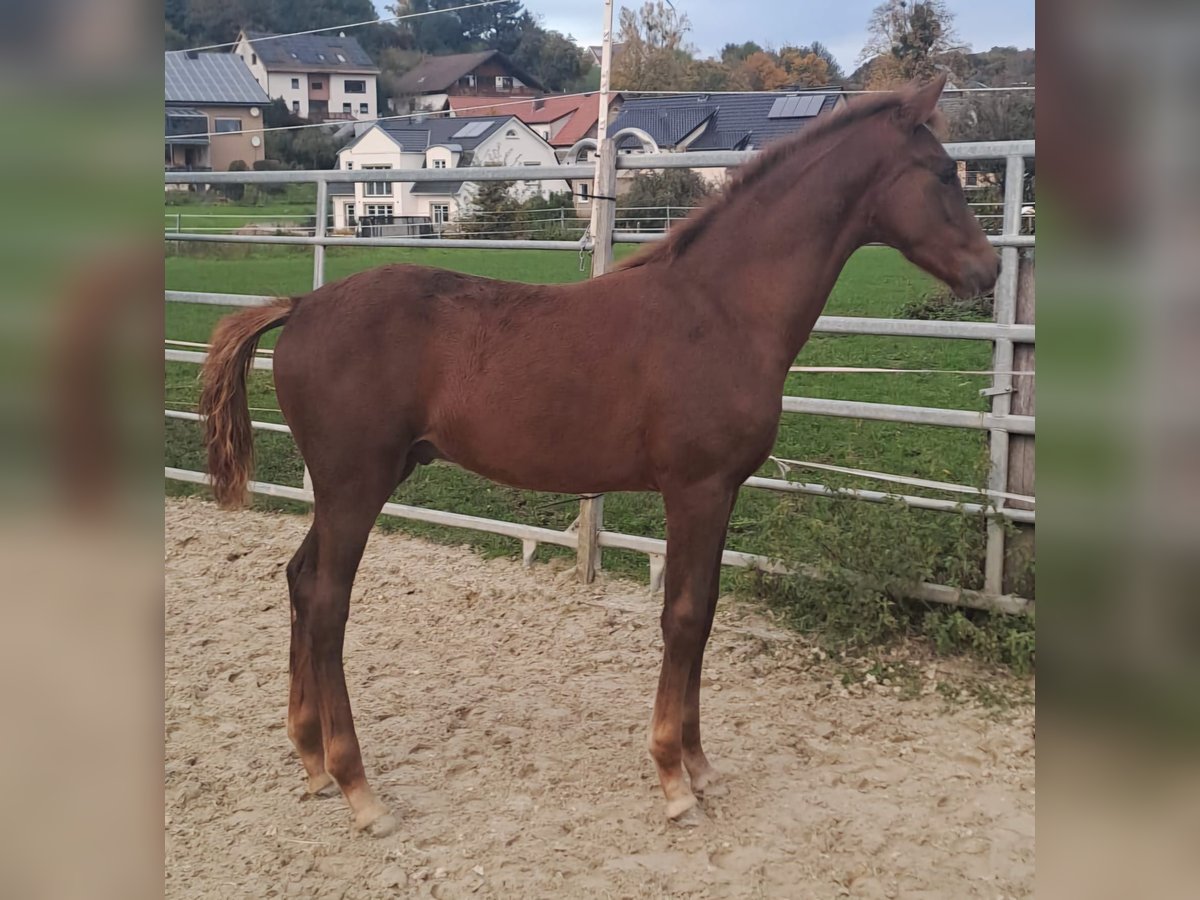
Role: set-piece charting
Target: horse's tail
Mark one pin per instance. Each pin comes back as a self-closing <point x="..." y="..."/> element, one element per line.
<point x="223" y="404"/>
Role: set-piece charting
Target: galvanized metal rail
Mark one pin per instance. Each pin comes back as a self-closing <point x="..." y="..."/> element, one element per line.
<point x="1003" y="333"/>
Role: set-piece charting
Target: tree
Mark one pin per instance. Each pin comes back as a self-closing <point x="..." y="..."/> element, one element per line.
<point x="760" y="71"/>
<point x="910" y="40"/>
<point x="651" y="192"/>
<point x="733" y="54"/>
<point x="710" y="75"/>
<point x="836" y="73"/>
<point x="553" y="58"/>
<point x="656" y="54"/>
<point x="804" y="68"/>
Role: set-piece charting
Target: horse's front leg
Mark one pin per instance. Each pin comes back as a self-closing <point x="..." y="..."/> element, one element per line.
<point x="697" y="517"/>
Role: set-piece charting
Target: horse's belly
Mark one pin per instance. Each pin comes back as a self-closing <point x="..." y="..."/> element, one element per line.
<point x="547" y="457"/>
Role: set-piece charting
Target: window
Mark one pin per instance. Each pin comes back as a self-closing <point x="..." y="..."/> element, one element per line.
<point x="439" y="213"/>
<point x="226" y="126"/>
<point x="351" y="219"/>
<point x="364" y="108"/>
<point x="254" y="59"/>
<point x="317" y="85"/>
<point x="511" y="134"/>
<point x="377" y="188"/>
<point x="349" y="164"/>
<point x="341" y="58"/>
<point x="504" y="83"/>
<point x="378" y="210"/>
<point x="467" y="81"/>
<point x="356" y="87"/>
<point x="346" y="109"/>
<point x="295" y="84"/>
<point x="296" y="106"/>
<point x="439" y="164"/>
<point x="584" y="192"/>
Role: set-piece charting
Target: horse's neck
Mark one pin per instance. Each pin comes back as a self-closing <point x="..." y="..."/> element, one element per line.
<point x="776" y="268"/>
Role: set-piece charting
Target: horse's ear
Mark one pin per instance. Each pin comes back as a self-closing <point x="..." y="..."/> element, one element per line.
<point x="920" y="103"/>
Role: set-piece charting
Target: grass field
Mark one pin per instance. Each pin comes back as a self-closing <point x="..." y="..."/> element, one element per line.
<point x="877" y="282"/>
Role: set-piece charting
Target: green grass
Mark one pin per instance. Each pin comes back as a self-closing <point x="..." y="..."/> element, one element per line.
<point x="876" y="282"/>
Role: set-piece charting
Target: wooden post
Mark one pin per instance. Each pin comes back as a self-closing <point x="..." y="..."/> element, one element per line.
<point x="591" y="511"/>
<point x="1020" y="550"/>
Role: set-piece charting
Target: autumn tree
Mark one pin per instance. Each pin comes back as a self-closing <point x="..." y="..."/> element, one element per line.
<point x="760" y="71"/>
<point x="909" y="40"/>
<point x="804" y="68"/>
<point x="656" y="54"/>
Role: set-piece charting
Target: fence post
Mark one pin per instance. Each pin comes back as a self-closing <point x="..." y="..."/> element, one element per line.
<point x="1002" y="362"/>
<point x="319" y="232"/>
<point x="668" y="228"/>
<point x="591" y="512"/>
<point x="318" y="263"/>
<point x="1019" y="552"/>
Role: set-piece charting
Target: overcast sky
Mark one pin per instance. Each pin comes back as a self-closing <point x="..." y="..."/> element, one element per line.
<point x="839" y="24"/>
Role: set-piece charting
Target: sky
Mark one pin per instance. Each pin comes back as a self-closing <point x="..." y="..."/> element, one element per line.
<point x="839" y="24"/>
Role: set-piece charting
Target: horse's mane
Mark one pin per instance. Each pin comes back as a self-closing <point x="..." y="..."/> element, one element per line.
<point x="682" y="236"/>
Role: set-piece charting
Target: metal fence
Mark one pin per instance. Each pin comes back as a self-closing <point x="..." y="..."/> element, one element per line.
<point x="1005" y="333"/>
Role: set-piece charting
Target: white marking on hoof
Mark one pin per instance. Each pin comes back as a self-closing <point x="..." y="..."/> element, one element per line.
<point x="693" y="818"/>
<point x="680" y="805"/>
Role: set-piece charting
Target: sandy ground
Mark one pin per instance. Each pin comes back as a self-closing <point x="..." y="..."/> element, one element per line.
<point x="503" y="715"/>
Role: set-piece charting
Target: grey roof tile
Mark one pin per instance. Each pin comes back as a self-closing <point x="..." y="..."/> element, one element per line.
<point x="735" y="121"/>
<point x="310" y="51"/>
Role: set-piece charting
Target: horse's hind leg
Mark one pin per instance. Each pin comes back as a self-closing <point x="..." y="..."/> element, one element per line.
<point x="344" y="511"/>
<point x="304" y="717"/>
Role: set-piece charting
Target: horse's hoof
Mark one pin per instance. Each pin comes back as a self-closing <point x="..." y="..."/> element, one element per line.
<point x="376" y="823"/>
<point x="321" y="787"/>
<point x="709" y="784"/>
<point x="680" y="805"/>
<point x="693" y="817"/>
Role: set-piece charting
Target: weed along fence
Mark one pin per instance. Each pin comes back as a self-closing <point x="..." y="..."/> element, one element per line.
<point x="1007" y="502"/>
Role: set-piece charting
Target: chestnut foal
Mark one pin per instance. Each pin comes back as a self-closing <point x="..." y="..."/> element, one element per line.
<point x="664" y="375"/>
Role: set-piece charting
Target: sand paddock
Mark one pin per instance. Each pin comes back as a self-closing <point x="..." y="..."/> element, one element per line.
<point x="503" y="714"/>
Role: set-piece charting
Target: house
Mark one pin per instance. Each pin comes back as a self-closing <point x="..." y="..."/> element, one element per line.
<point x="455" y="145"/>
<point x="213" y="112"/>
<point x="318" y="76"/>
<point x="709" y="122"/>
<point x="433" y="81"/>
<point x="562" y="121"/>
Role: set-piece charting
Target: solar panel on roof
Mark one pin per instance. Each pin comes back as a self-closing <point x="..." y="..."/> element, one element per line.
<point x="796" y="107"/>
<point x="472" y="129"/>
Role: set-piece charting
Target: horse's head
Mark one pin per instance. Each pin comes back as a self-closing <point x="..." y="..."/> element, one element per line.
<point x="920" y="208"/>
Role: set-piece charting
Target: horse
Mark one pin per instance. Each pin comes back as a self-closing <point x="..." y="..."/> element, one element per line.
<point x="662" y="375"/>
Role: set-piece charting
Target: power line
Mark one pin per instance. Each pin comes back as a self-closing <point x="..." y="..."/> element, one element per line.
<point x="382" y="21"/>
